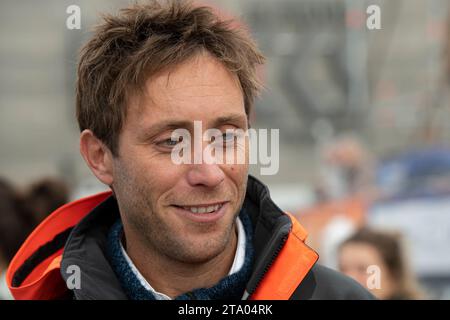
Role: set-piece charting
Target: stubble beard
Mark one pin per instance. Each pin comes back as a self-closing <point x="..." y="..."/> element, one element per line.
<point x="157" y="237"/>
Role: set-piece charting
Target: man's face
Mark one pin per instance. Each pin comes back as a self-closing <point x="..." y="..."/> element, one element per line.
<point x="158" y="198"/>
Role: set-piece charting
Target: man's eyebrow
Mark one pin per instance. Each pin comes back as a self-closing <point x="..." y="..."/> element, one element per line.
<point x="150" y="132"/>
<point x="237" y="119"/>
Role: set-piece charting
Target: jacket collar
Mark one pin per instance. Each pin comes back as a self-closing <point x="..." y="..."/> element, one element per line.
<point x="282" y="257"/>
<point x="34" y="272"/>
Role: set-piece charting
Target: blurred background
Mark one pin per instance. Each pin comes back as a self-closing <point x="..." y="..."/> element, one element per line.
<point x="364" y="119"/>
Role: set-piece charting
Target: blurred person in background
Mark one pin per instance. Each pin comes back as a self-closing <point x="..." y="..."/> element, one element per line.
<point x="345" y="191"/>
<point x="20" y="213"/>
<point x="346" y="170"/>
<point x="367" y="248"/>
<point x="14" y="227"/>
<point x="45" y="196"/>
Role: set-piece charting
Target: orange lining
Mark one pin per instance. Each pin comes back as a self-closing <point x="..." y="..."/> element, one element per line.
<point x="35" y="285"/>
<point x="289" y="269"/>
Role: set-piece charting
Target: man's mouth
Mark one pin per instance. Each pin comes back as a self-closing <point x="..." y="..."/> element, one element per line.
<point x="203" y="208"/>
<point x="210" y="212"/>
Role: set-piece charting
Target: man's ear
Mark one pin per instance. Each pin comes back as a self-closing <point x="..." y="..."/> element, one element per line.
<point x="98" y="157"/>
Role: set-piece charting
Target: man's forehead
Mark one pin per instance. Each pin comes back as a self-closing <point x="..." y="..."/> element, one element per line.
<point x="186" y="91"/>
<point x="187" y="105"/>
<point x="201" y="76"/>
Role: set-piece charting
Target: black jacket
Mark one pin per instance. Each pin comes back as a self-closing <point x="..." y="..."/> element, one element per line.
<point x="284" y="266"/>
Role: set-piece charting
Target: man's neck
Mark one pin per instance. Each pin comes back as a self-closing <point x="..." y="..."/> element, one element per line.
<point x="174" y="278"/>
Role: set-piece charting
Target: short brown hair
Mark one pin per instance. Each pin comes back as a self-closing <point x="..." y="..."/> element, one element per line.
<point x="144" y="39"/>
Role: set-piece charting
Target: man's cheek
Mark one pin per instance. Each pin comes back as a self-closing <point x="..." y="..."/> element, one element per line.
<point x="240" y="173"/>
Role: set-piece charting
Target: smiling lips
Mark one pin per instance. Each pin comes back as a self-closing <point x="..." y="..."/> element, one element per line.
<point x="203" y="213"/>
<point x="211" y="208"/>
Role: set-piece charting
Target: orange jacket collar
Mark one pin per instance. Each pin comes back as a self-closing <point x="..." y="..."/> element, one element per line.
<point x="45" y="281"/>
<point x="290" y="267"/>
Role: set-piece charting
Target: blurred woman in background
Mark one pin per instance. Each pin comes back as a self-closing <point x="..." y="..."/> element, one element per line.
<point x="45" y="196"/>
<point x="368" y="248"/>
<point x="20" y="213"/>
<point x="14" y="228"/>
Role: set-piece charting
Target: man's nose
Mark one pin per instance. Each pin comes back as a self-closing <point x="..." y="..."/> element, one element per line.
<point x="209" y="175"/>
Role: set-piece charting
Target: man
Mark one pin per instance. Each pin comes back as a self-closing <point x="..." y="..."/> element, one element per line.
<point x="167" y="230"/>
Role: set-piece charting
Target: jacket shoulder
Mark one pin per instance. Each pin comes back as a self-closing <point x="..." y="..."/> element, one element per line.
<point x="322" y="283"/>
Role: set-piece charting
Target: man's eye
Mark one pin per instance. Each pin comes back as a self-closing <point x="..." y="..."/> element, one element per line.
<point x="225" y="138"/>
<point x="170" y="142"/>
<point x="228" y="137"/>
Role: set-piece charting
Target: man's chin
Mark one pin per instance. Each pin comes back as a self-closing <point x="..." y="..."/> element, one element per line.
<point x="203" y="250"/>
<point x="197" y="258"/>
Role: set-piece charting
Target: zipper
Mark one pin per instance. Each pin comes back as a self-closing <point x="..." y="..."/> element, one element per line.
<point x="247" y="294"/>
